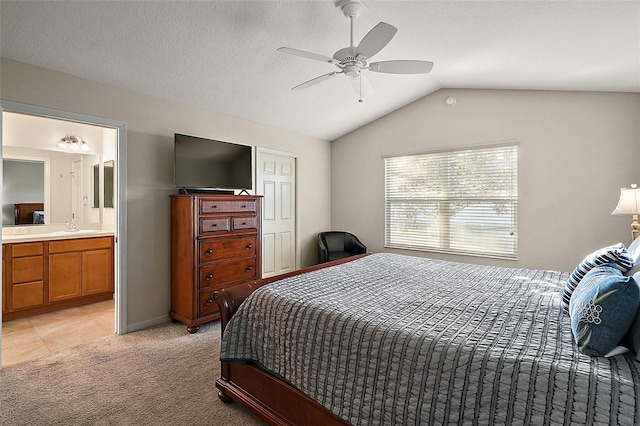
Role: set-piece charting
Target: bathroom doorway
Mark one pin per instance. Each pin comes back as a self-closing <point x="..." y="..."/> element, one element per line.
<point x="104" y="158"/>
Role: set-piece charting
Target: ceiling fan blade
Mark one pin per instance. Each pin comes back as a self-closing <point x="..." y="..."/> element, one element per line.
<point x="376" y="39"/>
<point x="362" y="86"/>
<point x="401" y="67"/>
<point x="315" y="81"/>
<point x="305" y="54"/>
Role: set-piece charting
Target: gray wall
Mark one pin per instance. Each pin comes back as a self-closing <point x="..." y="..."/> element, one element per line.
<point x="576" y="150"/>
<point x="151" y="124"/>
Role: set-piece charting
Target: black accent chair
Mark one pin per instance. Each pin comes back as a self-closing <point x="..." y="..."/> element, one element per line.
<point x="334" y="245"/>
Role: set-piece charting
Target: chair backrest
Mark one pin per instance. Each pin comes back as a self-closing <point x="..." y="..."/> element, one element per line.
<point x="334" y="240"/>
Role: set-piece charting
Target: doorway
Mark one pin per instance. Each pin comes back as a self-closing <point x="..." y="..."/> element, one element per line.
<point x="276" y="182"/>
<point x="118" y="141"/>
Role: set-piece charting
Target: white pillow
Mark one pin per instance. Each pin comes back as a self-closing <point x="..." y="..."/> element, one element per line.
<point x="634" y="250"/>
<point x="634" y="253"/>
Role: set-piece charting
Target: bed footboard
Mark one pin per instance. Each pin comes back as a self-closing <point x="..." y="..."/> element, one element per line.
<point x="271" y="399"/>
<point x="229" y="300"/>
<point x="267" y="396"/>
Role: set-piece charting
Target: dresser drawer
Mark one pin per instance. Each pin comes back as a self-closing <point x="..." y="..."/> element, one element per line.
<point x="227" y="206"/>
<point x="207" y="304"/>
<point x="219" y="274"/>
<point x="244" y="223"/>
<point x="225" y="248"/>
<point x="214" y="225"/>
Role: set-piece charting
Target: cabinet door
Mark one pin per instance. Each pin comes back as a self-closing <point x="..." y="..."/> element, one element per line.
<point x="97" y="271"/>
<point x="65" y="276"/>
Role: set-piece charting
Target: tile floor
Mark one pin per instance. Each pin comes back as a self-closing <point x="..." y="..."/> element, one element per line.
<point x="32" y="337"/>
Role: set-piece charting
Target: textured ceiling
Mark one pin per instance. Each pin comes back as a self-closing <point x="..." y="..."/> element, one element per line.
<point x="221" y="55"/>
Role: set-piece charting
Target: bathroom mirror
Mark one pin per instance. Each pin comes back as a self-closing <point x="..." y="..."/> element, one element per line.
<point x="107" y="192"/>
<point x="68" y="174"/>
<point x="23" y="192"/>
<point x="67" y="177"/>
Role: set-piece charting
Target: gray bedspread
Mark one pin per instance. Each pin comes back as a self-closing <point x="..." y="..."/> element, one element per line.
<point x="391" y="339"/>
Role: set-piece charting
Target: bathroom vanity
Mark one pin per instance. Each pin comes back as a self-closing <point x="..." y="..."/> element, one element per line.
<point x="47" y="272"/>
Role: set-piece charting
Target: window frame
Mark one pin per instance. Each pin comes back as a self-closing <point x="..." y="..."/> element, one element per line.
<point x="445" y="230"/>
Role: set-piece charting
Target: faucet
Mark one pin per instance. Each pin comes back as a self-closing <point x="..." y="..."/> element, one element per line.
<point x="71" y="226"/>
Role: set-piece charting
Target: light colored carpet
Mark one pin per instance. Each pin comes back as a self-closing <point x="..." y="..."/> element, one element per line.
<point x="158" y="376"/>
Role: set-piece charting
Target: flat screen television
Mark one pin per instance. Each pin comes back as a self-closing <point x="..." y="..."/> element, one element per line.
<point x="210" y="164"/>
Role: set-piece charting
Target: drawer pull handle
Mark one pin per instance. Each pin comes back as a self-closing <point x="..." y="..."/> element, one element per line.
<point x="215" y="206"/>
<point x="209" y="252"/>
<point x="208" y="277"/>
<point x="244" y="206"/>
<point x="249" y="268"/>
<point x="249" y="246"/>
<point x="244" y="223"/>
<point x="213" y="225"/>
<point x="209" y="301"/>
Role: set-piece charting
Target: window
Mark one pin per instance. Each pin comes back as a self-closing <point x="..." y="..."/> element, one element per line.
<point x="462" y="201"/>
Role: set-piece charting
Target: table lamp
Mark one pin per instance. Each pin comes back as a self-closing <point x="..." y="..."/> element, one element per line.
<point x="629" y="203"/>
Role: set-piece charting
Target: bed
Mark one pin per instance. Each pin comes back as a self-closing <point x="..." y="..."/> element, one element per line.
<point x="29" y="213"/>
<point x="389" y="339"/>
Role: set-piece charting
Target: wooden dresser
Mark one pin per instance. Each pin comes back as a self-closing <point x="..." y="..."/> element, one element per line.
<point x="215" y="243"/>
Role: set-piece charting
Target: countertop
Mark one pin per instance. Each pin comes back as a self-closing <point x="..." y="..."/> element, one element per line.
<point x="56" y="235"/>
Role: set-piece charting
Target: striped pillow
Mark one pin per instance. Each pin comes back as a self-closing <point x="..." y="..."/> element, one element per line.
<point x="616" y="253"/>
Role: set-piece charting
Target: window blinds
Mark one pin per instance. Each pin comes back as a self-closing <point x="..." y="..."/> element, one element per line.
<point x="462" y="201"/>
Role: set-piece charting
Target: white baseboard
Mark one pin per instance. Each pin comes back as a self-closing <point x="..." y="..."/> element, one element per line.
<point x="148" y="323"/>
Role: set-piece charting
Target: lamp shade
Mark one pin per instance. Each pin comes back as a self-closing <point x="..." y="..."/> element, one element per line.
<point x="629" y="202"/>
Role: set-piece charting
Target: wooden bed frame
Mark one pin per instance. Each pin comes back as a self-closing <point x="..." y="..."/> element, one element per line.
<point x="270" y="398"/>
<point x="24" y="212"/>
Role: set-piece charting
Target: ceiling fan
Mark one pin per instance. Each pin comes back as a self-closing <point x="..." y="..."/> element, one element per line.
<point x="352" y="60"/>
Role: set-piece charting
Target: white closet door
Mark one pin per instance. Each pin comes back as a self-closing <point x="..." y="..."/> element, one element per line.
<point x="277" y="184"/>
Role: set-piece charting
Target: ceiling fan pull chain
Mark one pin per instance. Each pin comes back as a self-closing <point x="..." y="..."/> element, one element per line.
<point x="360" y="78"/>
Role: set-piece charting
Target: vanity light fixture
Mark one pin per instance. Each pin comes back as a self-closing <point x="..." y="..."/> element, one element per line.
<point x="73" y="143"/>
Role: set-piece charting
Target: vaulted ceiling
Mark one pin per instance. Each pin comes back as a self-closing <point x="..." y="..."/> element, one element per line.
<point x="221" y="55"/>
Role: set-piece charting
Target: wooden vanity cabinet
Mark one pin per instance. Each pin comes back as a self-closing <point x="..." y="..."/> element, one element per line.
<point x="4" y="272"/>
<point x="215" y="243"/>
<point x="80" y="267"/>
<point x="27" y="275"/>
<point x="49" y="275"/>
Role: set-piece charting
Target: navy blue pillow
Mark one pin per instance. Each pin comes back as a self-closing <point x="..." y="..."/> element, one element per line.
<point x="602" y="309"/>
<point x="616" y="253"/>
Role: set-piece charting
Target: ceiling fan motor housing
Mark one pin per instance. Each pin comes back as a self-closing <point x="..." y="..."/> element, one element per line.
<point x="350" y="61"/>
